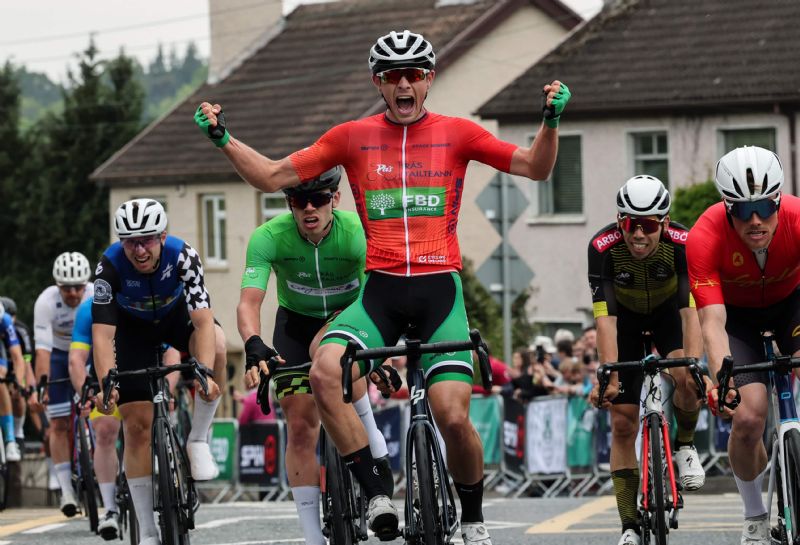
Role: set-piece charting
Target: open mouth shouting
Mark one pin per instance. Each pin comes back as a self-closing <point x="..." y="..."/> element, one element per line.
<point x="405" y="105"/>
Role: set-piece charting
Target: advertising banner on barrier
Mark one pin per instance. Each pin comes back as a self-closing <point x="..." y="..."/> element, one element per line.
<point x="389" y="422"/>
<point x="546" y="441"/>
<point x="223" y="446"/>
<point x="484" y="411"/>
<point x="580" y="428"/>
<point x="513" y="435"/>
<point x="260" y="456"/>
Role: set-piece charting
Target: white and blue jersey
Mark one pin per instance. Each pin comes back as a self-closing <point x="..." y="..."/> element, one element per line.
<point x="8" y="336"/>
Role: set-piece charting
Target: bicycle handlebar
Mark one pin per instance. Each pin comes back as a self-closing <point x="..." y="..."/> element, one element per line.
<point x="45" y="382"/>
<point x="413" y="349"/>
<point x="778" y="364"/>
<point x="650" y="365"/>
<point x="262" y="395"/>
<point x="200" y="372"/>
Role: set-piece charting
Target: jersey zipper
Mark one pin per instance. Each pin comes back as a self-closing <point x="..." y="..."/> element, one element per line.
<point x="405" y="208"/>
<point x="319" y="279"/>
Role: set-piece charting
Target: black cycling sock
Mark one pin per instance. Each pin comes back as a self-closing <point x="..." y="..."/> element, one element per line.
<point x="385" y="471"/>
<point x="471" y="496"/>
<point x="363" y="466"/>
<point x="687" y="422"/>
<point x="626" y="487"/>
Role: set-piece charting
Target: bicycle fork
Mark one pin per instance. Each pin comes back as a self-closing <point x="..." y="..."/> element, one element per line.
<point x="675" y="501"/>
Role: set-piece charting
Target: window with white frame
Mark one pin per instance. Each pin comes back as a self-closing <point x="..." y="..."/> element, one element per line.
<point x="736" y="138"/>
<point x="214" y="229"/>
<point x="563" y="194"/>
<point x="272" y="204"/>
<point x="651" y="155"/>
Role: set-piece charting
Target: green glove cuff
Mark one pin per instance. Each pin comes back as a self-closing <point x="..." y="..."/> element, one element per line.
<point x="222" y="141"/>
<point x="552" y="122"/>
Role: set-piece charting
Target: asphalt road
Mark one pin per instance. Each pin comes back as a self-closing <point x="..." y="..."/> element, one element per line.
<point x="706" y="520"/>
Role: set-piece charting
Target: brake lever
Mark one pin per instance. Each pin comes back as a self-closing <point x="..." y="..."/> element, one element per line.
<point x="603" y="378"/>
<point x="200" y="373"/>
<point x="698" y="380"/>
<point x="109" y="382"/>
<point x="40" y="388"/>
<point x="262" y="395"/>
<point x="347" y="371"/>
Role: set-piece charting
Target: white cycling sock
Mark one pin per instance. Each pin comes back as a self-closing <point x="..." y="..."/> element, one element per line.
<point x="142" y="495"/>
<point x="64" y="476"/>
<point x="751" y="496"/>
<point x="109" y="493"/>
<point x="19" y="423"/>
<point x="377" y="442"/>
<point x="202" y="417"/>
<point x="306" y="500"/>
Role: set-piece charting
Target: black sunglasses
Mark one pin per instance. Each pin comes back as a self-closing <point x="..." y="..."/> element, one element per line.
<point x="744" y="210"/>
<point x="317" y="200"/>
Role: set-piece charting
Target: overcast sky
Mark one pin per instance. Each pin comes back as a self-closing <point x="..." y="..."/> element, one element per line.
<point x="45" y="35"/>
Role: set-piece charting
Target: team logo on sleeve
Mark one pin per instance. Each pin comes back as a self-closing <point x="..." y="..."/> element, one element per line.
<point x="102" y="292"/>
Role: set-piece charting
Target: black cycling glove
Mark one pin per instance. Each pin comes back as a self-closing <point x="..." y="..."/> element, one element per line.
<point x="255" y="351"/>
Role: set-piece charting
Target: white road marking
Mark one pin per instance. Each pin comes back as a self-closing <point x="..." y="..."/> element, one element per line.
<point x="233" y="520"/>
<point x="45" y="528"/>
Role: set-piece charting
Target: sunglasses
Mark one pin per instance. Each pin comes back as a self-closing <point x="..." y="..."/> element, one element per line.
<point x="144" y="242"/>
<point x="317" y="200"/>
<point x="648" y="225"/>
<point x="72" y="287"/>
<point x="394" y="76"/>
<point x="743" y="211"/>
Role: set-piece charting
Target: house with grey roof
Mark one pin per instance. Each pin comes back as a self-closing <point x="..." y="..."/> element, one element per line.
<point x="283" y="81"/>
<point x="660" y="87"/>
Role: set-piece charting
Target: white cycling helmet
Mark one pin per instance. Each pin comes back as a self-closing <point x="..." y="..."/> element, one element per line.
<point x="401" y="50"/>
<point x="140" y="217"/>
<point x="749" y="173"/>
<point x="71" y="268"/>
<point x="643" y="195"/>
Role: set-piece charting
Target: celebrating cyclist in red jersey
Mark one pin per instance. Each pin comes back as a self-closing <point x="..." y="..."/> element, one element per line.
<point x="744" y="270"/>
<point x="406" y="170"/>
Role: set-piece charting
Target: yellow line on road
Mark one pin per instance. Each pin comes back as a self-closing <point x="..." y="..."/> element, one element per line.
<point x="28" y="524"/>
<point x="559" y="524"/>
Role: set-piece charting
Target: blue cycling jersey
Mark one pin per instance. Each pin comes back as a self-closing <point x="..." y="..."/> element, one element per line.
<point x="7" y="332"/>
<point x="150" y="297"/>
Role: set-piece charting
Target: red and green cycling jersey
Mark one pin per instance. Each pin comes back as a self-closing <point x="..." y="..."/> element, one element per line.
<point x="312" y="279"/>
<point x="408" y="182"/>
<point x="723" y="270"/>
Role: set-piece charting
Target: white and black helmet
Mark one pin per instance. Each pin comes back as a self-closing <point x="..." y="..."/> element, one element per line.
<point x="643" y="195"/>
<point x="749" y="173"/>
<point x="401" y="50"/>
<point x="71" y="268"/>
<point x="140" y="217"/>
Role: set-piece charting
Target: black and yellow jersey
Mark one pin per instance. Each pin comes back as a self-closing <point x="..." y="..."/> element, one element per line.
<point x="640" y="286"/>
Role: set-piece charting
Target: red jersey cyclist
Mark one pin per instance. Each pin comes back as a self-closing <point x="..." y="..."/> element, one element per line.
<point x="744" y="268"/>
<point x="406" y="169"/>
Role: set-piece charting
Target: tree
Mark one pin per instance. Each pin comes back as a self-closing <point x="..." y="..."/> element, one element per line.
<point x="60" y="209"/>
<point x="483" y="312"/>
<point x="689" y="202"/>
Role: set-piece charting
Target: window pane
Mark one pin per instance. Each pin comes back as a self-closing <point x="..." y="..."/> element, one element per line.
<point x="567" y="177"/>
<point x="223" y="231"/>
<point x="661" y="143"/>
<point x="654" y="167"/>
<point x="764" y="138"/>
<point x="209" y="227"/>
<point x="644" y="144"/>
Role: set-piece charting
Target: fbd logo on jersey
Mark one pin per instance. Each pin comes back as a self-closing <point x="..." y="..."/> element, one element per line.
<point x="418" y="201"/>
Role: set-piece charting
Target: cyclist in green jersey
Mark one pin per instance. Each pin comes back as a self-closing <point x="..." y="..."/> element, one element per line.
<point x="317" y="254"/>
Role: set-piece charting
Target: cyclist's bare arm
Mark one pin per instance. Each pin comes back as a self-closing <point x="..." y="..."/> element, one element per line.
<point x="19" y="362"/>
<point x="248" y="320"/>
<point x="712" y="322"/>
<point x="607" y="350"/>
<point x="204" y="335"/>
<point x="103" y="347"/>
<point x="256" y="169"/>
<point x="77" y="367"/>
<point x="692" y="334"/>
<point x="537" y="161"/>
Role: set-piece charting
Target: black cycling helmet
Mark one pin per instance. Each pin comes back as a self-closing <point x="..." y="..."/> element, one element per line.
<point x="327" y="180"/>
<point x="9" y="304"/>
<point x="401" y="50"/>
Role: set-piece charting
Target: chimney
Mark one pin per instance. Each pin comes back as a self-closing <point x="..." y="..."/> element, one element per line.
<point x="239" y="28"/>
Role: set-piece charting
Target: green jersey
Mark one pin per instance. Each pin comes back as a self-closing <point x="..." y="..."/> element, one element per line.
<point x="313" y="279"/>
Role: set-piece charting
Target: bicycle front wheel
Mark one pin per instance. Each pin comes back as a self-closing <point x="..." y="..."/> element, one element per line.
<point x="792" y="508"/>
<point x="336" y="505"/>
<point x="4" y="476"/>
<point x="88" y="486"/>
<point x="657" y="493"/>
<point x="166" y="493"/>
<point x="429" y="527"/>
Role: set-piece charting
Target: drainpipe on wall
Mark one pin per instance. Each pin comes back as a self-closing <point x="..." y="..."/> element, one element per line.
<point x="790" y="114"/>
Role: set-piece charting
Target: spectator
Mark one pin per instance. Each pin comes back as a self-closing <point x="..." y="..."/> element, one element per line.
<point x="520" y="360"/>
<point x="564" y="352"/>
<point x="500" y="376"/>
<point x="590" y="341"/>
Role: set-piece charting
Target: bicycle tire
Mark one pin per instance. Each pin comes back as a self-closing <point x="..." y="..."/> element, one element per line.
<point x="88" y="485"/>
<point x="791" y="444"/>
<point x="337" y="514"/>
<point x="4" y="480"/>
<point x="187" y="495"/>
<point x="166" y="492"/>
<point x="657" y="503"/>
<point x="429" y="528"/>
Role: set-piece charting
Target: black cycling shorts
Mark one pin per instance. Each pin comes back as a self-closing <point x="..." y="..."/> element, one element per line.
<point x="667" y="329"/>
<point x="292" y="338"/>
<point x="745" y="325"/>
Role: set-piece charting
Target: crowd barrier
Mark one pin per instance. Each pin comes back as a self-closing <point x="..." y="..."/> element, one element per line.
<point x="550" y="446"/>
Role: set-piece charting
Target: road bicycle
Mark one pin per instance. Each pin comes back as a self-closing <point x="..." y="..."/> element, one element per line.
<point x="127" y="513"/>
<point x="784" y="475"/>
<point x="84" y="481"/>
<point x="344" y="506"/>
<point x="11" y="381"/>
<point x="660" y="498"/>
<point x="174" y="496"/>
<point x="430" y="509"/>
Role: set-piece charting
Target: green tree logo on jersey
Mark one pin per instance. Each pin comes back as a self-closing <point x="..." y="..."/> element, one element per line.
<point x="419" y="201"/>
